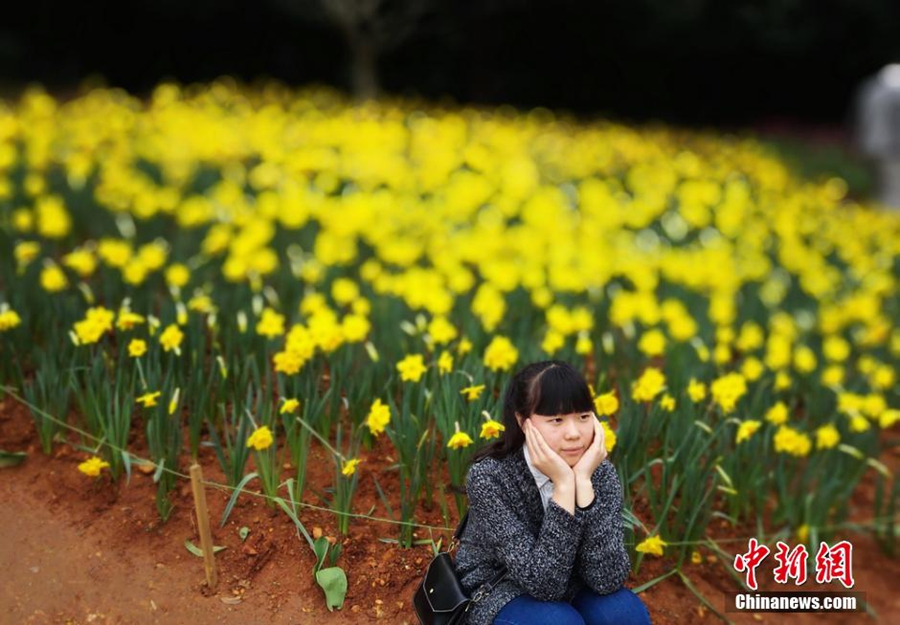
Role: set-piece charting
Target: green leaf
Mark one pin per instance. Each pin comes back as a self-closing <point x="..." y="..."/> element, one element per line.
<point x="653" y="582"/>
<point x="296" y="520"/>
<point x="11" y="458"/>
<point x="333" y="581"/>
<point x="126" y="460"/>
<point x="703" y="599"/>
<point x="320" y="548"/>
<point x="234" y="496"/>
<point x="243" y="533"/>
<point x="197" y="551"/>
<point x="159" y="471"/>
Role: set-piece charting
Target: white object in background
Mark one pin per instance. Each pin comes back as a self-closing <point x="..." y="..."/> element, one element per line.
<point x="878" y="122"/>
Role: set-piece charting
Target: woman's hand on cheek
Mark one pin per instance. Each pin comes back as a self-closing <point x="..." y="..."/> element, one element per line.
<point x="544" y="458"/>
<point x="594" y="455"/>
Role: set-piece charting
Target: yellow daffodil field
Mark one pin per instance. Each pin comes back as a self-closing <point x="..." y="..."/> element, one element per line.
<point x="261" y="270"/>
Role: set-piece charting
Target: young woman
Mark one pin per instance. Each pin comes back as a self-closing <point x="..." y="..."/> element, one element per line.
<point x="546" y="504"/>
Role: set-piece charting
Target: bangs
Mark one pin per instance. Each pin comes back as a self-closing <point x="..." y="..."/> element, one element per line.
<point x="560" y="390"/>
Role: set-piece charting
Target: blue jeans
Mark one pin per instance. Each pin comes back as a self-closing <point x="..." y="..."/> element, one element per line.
<point x="622" y="607"/>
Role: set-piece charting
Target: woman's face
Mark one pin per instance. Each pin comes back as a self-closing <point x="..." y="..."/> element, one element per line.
<point x="569" y="435"/>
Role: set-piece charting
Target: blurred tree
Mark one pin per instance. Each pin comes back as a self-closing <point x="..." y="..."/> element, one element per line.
<point x="370" y="29"/>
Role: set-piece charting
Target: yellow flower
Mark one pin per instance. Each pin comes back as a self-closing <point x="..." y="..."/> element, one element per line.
<point x="827" y="437"/>
<point x="500" y="354"/>
<point x="171" y="338"/>
<point x="271" y="324"/>
<point x="606" y="404"/>
<point x="888" y="418"/>
<point x="803" y="533"/>
<point x="722" y="353"/>
<point x="652" y="343"/>
<point x="488" y="305"/>
<point x="751" y="337"/>
<point x="653" y="545"/>
<point x="261" y="439"/>
<point x="137" y="348"/>
<point x="201" y="303"/>
<point x="25" y="252"/>
<point x="289" y="405"/>
<point x="134" y="272"/>
<point x="344" y="290"/>
<point x="148" y="399"/>
<point x="348" y="468"/>
<point x="583" y="345"/>
<point x="127" y="319"/>
<point x="777" y="414"/>
<point x="649" y="385"/>
<point x="702" y="352"/>
<point x="873" y="405"/>
<point x="9" y="318"/>
<point x="22" y="218"/>
<point x="445" y="362"/>
<point x="153" y="254"/>
<point x="696" y="390"/>
<point x="97" y="321"/>
<point x="361" y="306"/>
<point x="288" y="361"/>
<point x="782" y="381"/>
<point x="746" y="429"/>
<point x="790" y="441"/>
<point x="609" y="440"/>
<point x="114" y="252"/>
<point x="727" y="390"/>
<point x="441" y="330"/>
<point x="778" y="352"/>
<point x="833" y="375"/>
<point x="52" y="218"/>
<point x="859" y="423"/>
<point x="667" y="403"/>
<point x="752" y="369"/>
<point x="312" y="302"/>
<point x="696" y="558"/>
<point x="177" y="275"/>
<point x="459" y="439"/>
<point x="472" y="392"/>
<point x="378" y="418"/>
<point x="883" y="377"/>
<point x="355" y="328"/>
<point x="804" y="359"/>
<point x="464" y="347"/>
<point x="412" y="368"/>
<point x="53" y="279"/>
<point x="491" y="429"/>
<point x="81" y="261"/>
<point x="92" y="466"/>
<point x="836" y="348"/>
<point x="867" y="364"/>
<point x="553" y="340"/>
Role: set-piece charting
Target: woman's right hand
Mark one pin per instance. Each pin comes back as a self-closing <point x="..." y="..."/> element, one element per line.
<point x="544" y="458"/>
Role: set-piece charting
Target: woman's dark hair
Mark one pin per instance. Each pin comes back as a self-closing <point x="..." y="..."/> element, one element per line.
<point x="549" y="387"/>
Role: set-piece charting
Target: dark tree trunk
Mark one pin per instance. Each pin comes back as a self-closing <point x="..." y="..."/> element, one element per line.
<point x="363" y="67"/>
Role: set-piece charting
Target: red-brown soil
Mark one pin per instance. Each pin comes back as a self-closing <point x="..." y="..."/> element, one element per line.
<point x="79" y="550"/>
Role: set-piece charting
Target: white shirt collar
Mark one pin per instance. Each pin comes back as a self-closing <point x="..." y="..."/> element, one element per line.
<point x="539" y="478"/>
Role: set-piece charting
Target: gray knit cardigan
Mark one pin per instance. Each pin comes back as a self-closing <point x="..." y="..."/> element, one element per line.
<point x="549" y="555"/>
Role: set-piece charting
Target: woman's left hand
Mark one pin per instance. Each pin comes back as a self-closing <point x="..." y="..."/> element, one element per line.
<point x="594" y="455"/>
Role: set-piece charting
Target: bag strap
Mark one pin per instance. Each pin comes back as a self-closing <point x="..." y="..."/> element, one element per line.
<point x="461" y="527"/>
<point x="482" y="592"/>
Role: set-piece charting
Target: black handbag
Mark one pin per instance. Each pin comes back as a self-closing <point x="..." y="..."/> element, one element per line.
<point x="440" y="598"/>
